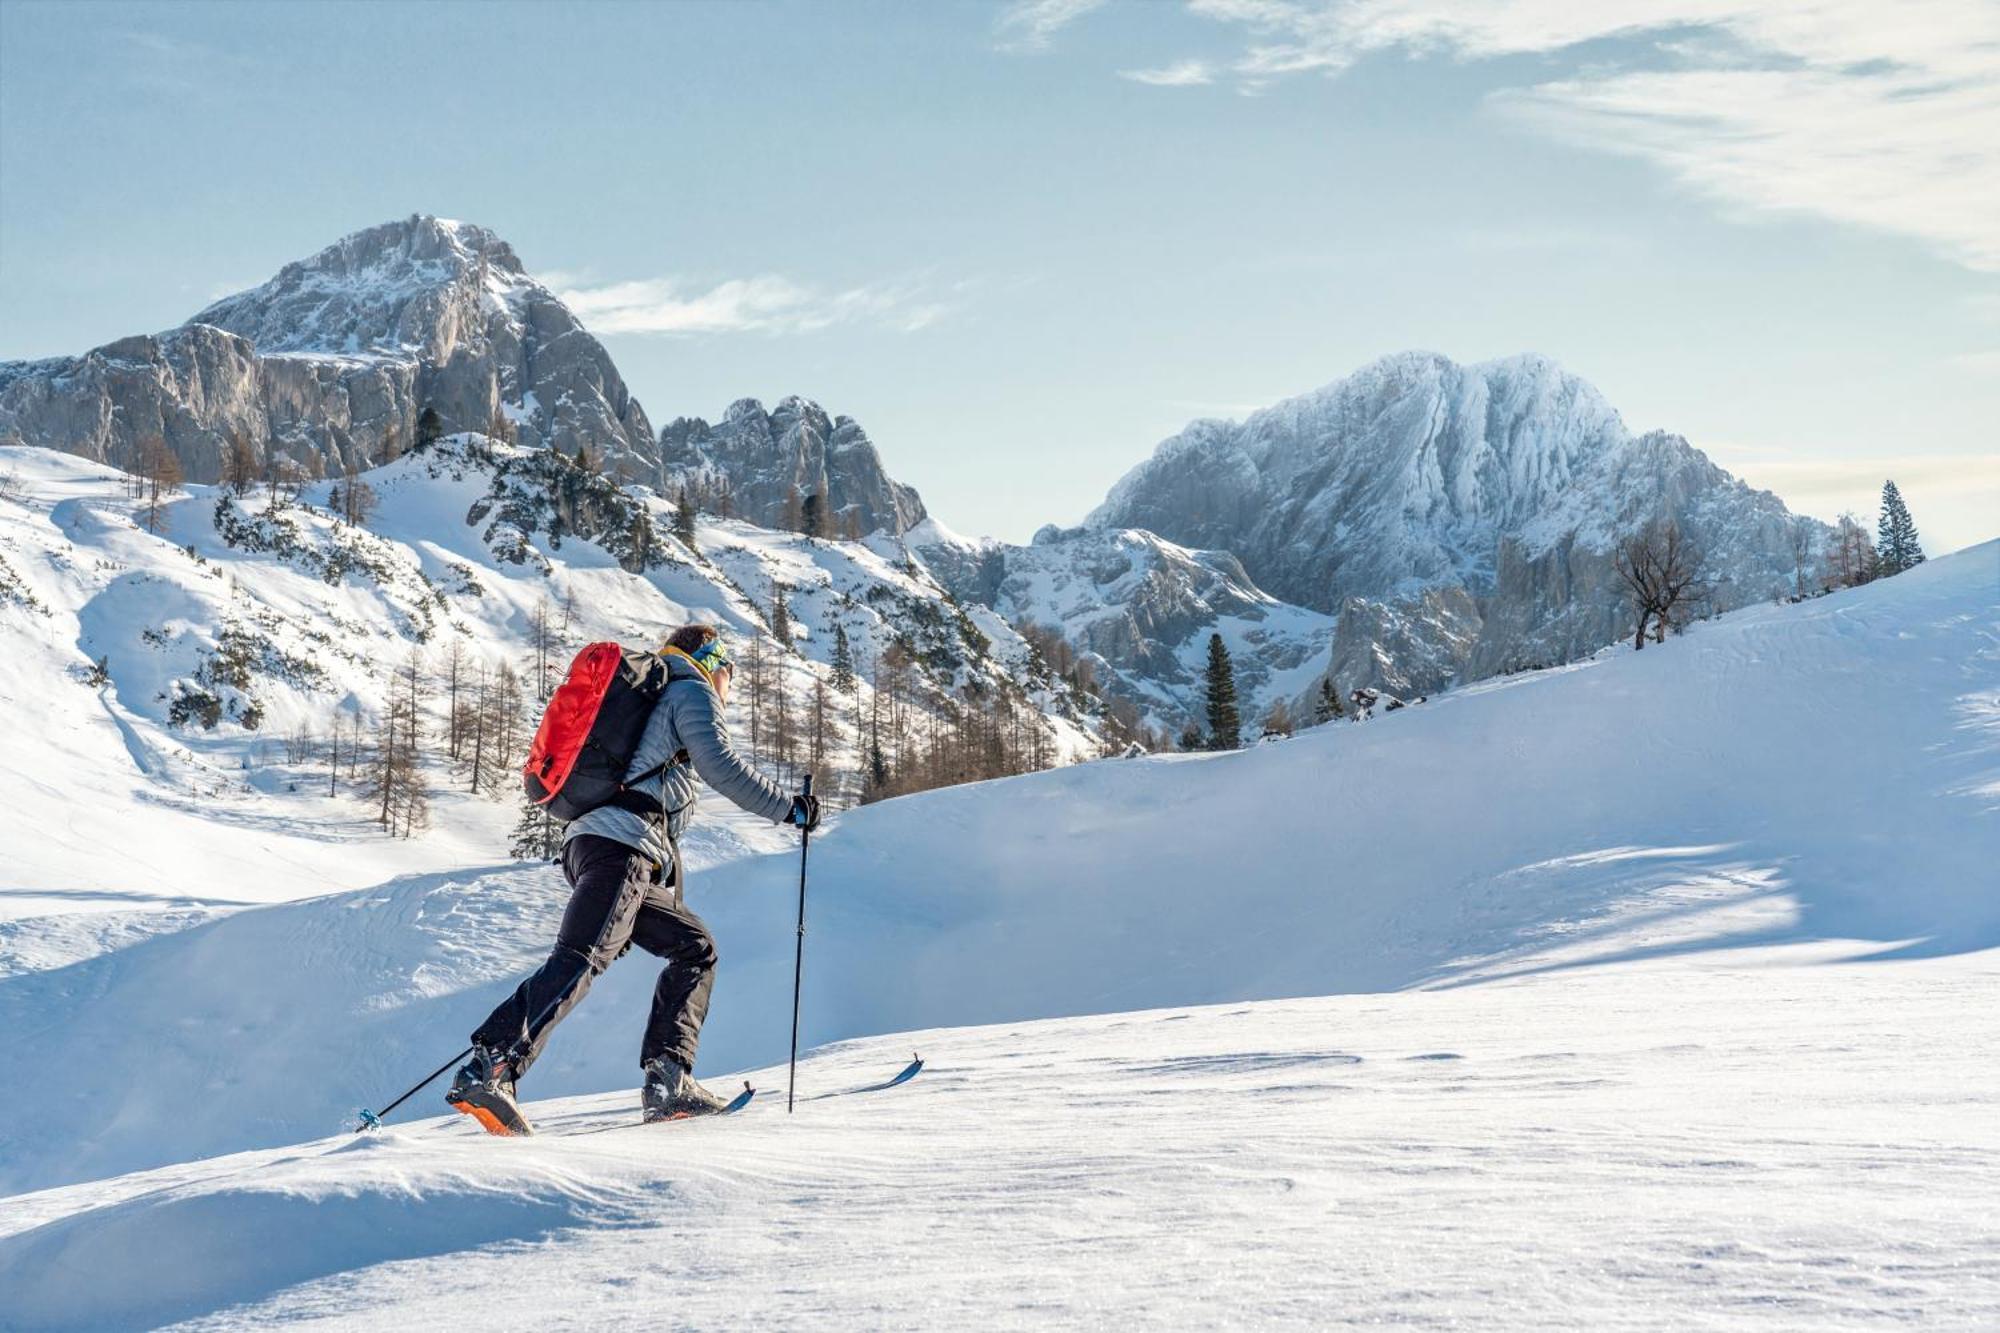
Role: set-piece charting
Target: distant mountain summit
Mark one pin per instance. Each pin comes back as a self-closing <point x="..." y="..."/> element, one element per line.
<point x="337" y="359"/>
<point x="767" y="463"/>
<point x="1461" y="520"/>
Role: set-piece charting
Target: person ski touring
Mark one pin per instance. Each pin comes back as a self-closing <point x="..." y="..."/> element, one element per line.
<point x="622" y="861"/>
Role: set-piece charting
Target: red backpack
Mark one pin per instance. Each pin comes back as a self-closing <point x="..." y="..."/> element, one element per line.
<point x="590" y="731"/>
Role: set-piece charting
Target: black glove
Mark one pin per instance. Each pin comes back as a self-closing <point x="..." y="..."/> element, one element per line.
<point x="805" y="812"/>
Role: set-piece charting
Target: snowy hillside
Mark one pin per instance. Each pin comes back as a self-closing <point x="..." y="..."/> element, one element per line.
<point x="1460" y="519"/>
<point x="1823" y="772"/>
<point x="235" y="628"/>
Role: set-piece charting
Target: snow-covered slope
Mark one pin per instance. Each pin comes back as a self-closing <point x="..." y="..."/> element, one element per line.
<point x="1824" y="772"/>
<point x="292" y="620"/>
<point x="1141" y="609"/>
<point x="1461" y="519"/>
<point x="334" y="361"/>
<point x="1766" y="1140"/>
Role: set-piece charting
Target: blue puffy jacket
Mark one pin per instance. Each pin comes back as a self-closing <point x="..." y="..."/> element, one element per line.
<point x="688" y="718"/>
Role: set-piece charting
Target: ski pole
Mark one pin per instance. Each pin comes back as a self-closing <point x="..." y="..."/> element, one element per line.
<point x="798" y="956"/>
<point x="373" y="1119"/>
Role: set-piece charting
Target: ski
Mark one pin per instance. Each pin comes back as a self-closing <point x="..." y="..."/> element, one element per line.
<point x="904" y="1075"/>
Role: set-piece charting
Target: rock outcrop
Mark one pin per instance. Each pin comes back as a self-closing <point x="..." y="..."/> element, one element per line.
<point x="1141" y="609"/>
<point x="768" y="463"/>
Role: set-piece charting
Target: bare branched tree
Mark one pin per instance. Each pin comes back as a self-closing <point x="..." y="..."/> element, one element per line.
<point x="1663" y="576"/>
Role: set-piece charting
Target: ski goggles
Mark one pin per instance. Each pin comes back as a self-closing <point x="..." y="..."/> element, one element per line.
<point x="711" y="657"/>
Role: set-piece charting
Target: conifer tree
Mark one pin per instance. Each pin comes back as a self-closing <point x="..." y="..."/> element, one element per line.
<point x="1896" y="544"/>
<point x="812" y="519"/>
<point x="1326" y="706"/>
<point x="781" y="616"/>
<point x="843" y="660"/>
<point x="1225" y="725"/>
<point x="645" y="546"/>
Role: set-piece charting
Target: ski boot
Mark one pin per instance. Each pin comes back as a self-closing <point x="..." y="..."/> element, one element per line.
<point x="484" y="1090"/>
<point x="670" y="1093"/>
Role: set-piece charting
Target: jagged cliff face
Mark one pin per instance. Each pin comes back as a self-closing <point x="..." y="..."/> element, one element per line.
<point x="1461" y="520"/>
<point x="335" y="360"/>
<point x="1142" y="608"/>
<point x="768" y="462"/>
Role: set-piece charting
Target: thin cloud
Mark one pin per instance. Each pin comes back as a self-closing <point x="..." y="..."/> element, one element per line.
<point x="767" y="303"/>
<point x="1028" y="25"/>
<point x="1181" y="74"/>
<point x="1885" y="117"/>
<point x="1979" y="363"/>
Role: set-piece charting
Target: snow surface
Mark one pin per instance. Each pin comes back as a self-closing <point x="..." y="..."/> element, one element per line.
<point x="219" y="819"/>
<point x="1709" y="929"/>
<point x="1759" y="1140"/>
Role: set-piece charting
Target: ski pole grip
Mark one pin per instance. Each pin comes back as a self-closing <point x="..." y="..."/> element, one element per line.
<point x="808" y="788"/>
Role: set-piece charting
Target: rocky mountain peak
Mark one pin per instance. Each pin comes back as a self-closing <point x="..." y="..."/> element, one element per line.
<point x="344" y="360"/>
<point x="1477" y="505"/>
<point x="769" y="462"/>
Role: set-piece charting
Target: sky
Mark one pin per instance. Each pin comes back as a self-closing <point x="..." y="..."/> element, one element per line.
<point x="1022" y="243"/>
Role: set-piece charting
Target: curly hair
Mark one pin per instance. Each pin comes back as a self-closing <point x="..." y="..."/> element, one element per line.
<point x="690" y="638"/>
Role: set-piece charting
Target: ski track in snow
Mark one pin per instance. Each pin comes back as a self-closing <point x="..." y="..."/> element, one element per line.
<point x="1772" y="1141"/>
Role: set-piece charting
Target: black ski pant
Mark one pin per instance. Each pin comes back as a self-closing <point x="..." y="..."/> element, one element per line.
<point x="617" y="899"/>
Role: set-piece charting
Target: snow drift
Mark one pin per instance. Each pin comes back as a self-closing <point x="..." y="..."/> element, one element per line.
<point x="1828" y="771"/>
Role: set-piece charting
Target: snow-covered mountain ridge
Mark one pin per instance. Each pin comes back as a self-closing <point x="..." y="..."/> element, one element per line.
<point x="1454" y="522"/>
<point x="1461" y="520"/>
<point x="1141" y="609"/>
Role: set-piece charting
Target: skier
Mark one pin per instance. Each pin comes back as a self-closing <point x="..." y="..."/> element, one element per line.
<point x="626" y="883"/>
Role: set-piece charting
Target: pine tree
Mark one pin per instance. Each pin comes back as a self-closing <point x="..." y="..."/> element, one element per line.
<point x="1326" y="706"/>
<point x="684" y="520"/>
<point x="1896" y="544"/>
<point x="843" y="661"/>
<point x="781" y="616"/>
<point x="645" y="546"/>
<point x="1225" y="726"/>
<point x="812" y="519"/>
